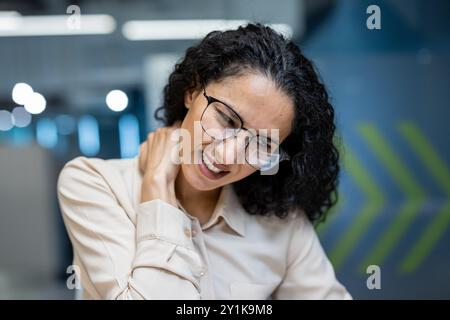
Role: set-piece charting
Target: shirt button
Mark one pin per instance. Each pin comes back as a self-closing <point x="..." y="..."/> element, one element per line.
<point x="194" y="233"/>
<point x="187" y="232"/>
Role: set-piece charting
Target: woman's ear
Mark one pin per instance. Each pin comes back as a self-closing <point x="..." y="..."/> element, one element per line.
<point x="188" y="99"/>
<point x="189" y="96"/>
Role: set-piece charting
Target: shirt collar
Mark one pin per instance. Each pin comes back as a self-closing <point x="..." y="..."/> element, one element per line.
<point x="229" y="208"/>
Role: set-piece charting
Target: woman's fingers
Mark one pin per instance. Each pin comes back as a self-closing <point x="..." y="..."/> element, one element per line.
<point x="144" y="151"/>
<point x="158" y="150"/>
<point x="143" y="156"/>
<point x="159" y="170"/>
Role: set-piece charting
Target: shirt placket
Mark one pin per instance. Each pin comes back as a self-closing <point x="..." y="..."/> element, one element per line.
<point x="206" y="284"/>
<point x="196" y="234"/>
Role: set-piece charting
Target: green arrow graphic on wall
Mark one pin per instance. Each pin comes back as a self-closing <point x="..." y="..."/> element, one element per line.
<point x="375" y="200"/>
<point x="372" y="206"/>
<point x="414" y="195"/>
<point x="437" y="169"/>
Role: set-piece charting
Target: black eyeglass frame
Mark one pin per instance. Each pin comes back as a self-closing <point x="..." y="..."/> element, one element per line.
<point x="283" y="154"/>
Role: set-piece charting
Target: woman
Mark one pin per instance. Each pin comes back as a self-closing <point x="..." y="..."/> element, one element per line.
<point x="150" y="228"/>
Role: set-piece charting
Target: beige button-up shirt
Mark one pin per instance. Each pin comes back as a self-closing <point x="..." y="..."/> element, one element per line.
<point x="124" y="249"/>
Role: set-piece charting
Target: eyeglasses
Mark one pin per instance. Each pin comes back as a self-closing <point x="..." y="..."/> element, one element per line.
<point x="221" y="122"/>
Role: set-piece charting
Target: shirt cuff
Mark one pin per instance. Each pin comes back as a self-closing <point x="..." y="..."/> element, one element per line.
<point x="156" y="219"/>
<point x="163" y="243"/>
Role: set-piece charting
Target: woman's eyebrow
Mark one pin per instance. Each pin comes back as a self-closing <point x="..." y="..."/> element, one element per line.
<point x="229" y="105"/>
<point x="241" y="118"/>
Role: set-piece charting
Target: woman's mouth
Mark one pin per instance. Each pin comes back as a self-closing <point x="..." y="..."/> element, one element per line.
<point x="211" y="170"/>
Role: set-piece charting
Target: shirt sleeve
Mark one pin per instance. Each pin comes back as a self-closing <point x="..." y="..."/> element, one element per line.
<point x="151" y="258"/>
<point x="309" y="273"/>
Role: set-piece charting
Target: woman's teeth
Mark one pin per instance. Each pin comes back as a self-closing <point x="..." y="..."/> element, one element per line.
<point x="210" y="166"/>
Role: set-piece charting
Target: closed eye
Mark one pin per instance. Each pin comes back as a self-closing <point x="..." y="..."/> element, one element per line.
<point x="230" y="122"/>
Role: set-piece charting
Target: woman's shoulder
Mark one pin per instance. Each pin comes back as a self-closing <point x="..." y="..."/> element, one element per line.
<point x="95" y="193"/>
<point x="85" y="163"/>
<point x="83" y="174"/>
<point x="97" y="166"/>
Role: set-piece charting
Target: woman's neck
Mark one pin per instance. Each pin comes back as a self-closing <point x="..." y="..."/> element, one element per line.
<point x="197" y="203"/>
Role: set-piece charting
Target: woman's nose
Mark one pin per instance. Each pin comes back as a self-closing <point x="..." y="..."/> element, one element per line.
<point x="231" y="150"/>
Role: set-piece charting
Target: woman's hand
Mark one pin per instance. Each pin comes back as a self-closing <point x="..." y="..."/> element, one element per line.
<point x="158" y="168"/>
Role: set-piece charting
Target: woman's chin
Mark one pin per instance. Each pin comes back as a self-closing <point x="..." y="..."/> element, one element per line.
<point x="196" y="179"/>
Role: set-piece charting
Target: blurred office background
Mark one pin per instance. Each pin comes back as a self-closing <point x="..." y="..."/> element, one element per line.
<point x="390" y="88"/>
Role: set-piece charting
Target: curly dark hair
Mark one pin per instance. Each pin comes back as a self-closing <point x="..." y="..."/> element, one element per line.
<point x="309" y="180"/>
